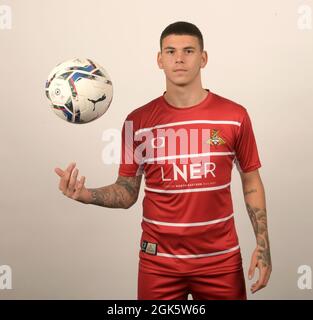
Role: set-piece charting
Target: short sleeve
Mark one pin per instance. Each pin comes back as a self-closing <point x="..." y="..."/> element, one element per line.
<point x="129" y="162"/>
<point x="247" y="156"/>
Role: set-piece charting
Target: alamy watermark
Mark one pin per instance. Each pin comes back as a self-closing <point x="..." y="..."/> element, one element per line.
<point x="5" y="277"/>
<point x="192" y="148"/>
<point x="5" y="17"/>
<point x="304" y="21"/>
<point x="305" y="280"/>
<point x="155" y="145"/>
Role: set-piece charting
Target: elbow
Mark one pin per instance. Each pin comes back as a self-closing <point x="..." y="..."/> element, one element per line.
<point x="250" y="178"/>
<point x="129" y="204"/>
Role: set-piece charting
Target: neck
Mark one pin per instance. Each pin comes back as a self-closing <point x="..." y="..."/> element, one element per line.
<point x="184" y="96"/>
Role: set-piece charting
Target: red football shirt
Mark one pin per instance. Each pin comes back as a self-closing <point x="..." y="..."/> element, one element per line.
<point x="186" y="156"/>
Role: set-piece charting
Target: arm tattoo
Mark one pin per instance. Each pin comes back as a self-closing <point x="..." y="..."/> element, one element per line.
<point x="131" y="184"/>
<point x="122" y="194"/>
<point x="259" y="222"/>
<point x="249" y="191"/>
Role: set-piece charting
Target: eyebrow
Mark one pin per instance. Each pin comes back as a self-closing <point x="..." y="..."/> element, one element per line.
<point x="189" y="47"/>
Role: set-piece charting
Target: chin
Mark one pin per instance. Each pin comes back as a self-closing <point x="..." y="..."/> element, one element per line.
<point x="181" y="82"/>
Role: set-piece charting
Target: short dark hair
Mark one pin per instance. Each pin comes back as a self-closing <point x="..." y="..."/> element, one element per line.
<point x="182" y="28"/>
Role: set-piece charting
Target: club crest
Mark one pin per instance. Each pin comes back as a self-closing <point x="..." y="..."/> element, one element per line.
<point x="215" y="139"/>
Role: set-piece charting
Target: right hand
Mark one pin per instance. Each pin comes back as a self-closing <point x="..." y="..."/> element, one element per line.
<point x="70" y="186"/>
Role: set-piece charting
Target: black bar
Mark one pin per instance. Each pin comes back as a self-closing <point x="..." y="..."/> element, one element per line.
<point x="149" y="309"/>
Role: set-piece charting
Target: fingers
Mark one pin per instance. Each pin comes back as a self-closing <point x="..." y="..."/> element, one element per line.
<point x="251" y="271"/>
<point x="257" y="286"/>
<point x="78" y="187"/>
<point x="263" y="279"/>
<point x="253" y="265"/>
<point x="69" y="184"/>
<point x="72" y="182"/>
<point x="63" y="185"/>
<point x="264" y="272"/>
<point x="59" y="172"/>
<point x="267" y="276"/>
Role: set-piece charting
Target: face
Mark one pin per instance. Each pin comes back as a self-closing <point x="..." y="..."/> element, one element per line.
<point x="181" y="59"/>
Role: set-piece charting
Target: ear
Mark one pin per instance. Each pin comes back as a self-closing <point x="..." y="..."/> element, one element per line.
<point x="204" y="59"/>
<point x="159" y="60"/>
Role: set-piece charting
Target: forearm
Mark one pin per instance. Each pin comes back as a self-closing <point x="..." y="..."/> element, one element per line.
<point x="122" y="194"/>
<point x="254" y="196"/>
<point x="112" y="196"/>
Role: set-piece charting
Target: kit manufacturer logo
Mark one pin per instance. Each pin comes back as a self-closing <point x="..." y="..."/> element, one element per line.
<point x="149" y="247"/>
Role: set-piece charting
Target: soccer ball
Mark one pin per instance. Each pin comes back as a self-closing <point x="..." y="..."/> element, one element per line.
<point x="80" y="90"/>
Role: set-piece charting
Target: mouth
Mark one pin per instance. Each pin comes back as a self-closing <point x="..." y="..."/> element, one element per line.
<point x="180" y="70"/>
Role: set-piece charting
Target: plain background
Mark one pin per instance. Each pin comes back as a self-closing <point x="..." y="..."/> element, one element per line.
<point x="258" y="57"/>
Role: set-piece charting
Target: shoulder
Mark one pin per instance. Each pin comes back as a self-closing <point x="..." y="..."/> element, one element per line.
<point x="143" y="111"/>
<point x="227" y="109"/>
<point x="140" y="116"/>
<point x="229" y="106"/>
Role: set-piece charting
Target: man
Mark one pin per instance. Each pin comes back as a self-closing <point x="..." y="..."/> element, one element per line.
<point x="189" y="242"/>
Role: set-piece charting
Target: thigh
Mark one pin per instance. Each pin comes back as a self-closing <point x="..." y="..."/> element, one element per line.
<point x="153" y="286"/>
<point x="226" y="286"/>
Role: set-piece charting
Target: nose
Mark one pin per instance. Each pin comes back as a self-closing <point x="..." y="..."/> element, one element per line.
<point x="179" y="57"/>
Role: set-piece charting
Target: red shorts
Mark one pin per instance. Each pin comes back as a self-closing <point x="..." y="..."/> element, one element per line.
<point x="224" y="286"/>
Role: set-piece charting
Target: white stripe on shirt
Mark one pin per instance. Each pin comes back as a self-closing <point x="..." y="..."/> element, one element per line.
<point x="193" y="155"/>
<point x="193" y="224"/>
<point x="186" y="256"/>
<point x="188" y="190"/>
<point x="173" y="124"/>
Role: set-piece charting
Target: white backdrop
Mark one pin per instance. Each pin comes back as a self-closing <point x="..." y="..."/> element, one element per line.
<point x="259" y="56"/>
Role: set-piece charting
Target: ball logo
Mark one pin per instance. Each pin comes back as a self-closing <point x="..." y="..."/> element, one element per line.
<point x="97" y="100"/>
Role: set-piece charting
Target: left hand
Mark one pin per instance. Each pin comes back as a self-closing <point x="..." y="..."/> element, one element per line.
<point x="261" y="260"/>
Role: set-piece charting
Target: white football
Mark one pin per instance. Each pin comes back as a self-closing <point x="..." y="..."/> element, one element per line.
<point x="80" y="90"/>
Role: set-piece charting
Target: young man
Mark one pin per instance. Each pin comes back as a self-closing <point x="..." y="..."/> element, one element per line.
<point x="189" y="242"/>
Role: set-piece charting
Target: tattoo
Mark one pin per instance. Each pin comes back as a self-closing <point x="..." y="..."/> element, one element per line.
<point x="259" y="222"/>
<point x="253" y="219"/>
<point x="250" y="191"/>
<point x="122" y="194"/>
<point x="131" y="184"/>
